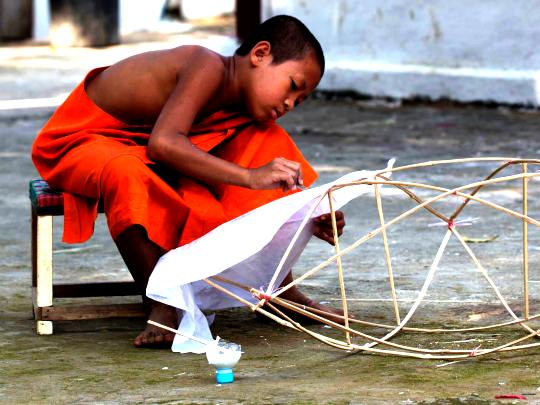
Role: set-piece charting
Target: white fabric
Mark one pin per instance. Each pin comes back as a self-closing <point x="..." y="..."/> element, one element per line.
<point x="247" y="250"/>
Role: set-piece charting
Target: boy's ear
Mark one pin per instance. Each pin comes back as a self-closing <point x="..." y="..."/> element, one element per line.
<point x="261" y="52"/>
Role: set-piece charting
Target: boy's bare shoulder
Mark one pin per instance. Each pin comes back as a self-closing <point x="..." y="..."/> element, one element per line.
<point x="194" y="56"/>
<point x="168" y="66"/>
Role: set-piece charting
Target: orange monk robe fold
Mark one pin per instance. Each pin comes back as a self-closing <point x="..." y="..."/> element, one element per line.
<point x="90" y="155"/>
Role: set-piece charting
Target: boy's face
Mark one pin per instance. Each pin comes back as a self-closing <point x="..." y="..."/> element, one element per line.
<point x="275" y="89"/>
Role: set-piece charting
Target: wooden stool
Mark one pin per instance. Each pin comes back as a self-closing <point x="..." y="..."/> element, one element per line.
<point x="47" y="203"/>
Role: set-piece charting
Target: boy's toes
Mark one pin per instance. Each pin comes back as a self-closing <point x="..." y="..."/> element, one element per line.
<point x="154" y="339"/>
<point x="169" y="337"/>
<point x="141" y="340"/>
<point x="157" y="338"/>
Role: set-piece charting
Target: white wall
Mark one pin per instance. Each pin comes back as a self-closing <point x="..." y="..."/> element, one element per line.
<point x="196" y="9"/>
<point x="466" y="50"/>
<point x="41" y="20"/>
<point x="139" y="15"/>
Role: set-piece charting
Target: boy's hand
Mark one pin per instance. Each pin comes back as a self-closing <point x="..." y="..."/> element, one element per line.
<point x="323" y="226"/>
<point x="279" y="173"/>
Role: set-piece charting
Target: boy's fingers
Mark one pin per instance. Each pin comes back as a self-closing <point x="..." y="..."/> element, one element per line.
<point x="324" y="235"/>
<point x="339" y="215"/>
<point x="329" y="239"/>
<point x="327" y="218"/>
<point x="287" y="181"/>
<point x="283" y="175"/>
<point x="330" y="230"/>
<point x="288" y="172"/>
<point x="295" y="168"/>
<point x="300" y="177"/>
<point x="328" y="222"/>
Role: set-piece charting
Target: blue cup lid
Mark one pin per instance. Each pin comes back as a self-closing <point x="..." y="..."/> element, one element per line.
<point x="224" y="375"/>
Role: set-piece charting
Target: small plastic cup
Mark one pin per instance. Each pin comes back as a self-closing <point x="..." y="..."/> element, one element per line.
<point x="224" y="375"/>
<point x="223" y="356"/>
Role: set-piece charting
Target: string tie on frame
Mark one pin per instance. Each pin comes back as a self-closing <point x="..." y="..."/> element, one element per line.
<point x="452" y="223"/>
<point x="474" y="352"/>
<point x="263" y="298"/>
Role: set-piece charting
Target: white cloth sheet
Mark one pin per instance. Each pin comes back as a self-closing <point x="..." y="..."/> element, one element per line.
<point x="247" y="250"/>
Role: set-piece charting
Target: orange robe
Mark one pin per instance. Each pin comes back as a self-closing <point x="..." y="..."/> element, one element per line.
<point x="90" y="155"/>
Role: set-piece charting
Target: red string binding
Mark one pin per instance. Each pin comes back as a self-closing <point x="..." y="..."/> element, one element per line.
<point x="263" y="296"/>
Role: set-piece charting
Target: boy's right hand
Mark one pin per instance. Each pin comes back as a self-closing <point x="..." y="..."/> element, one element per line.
<point x="279" y="173"/>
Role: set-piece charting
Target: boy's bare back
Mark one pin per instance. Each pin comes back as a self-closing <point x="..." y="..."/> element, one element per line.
<point x="135" y="90"/>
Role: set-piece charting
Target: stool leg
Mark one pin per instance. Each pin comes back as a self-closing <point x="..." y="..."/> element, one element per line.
<point x="42" y="267"/>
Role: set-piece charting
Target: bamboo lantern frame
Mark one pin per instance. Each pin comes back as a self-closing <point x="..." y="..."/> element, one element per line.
<point x="384" y="345"/>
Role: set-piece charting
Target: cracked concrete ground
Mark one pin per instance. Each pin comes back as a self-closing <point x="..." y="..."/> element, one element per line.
<point x="95" y="362"/>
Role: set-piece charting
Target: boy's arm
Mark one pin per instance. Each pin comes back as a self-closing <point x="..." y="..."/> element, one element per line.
<point x="198" y="84"/>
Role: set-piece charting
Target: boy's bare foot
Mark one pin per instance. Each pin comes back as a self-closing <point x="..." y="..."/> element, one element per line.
<point x="293" y="294"/>
<point x="309" y="303"/>
<point x="330" y="311"/>
<point x="154" y="336"/>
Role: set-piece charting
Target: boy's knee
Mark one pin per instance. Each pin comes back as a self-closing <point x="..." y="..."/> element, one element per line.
<point x="121" y="170"/>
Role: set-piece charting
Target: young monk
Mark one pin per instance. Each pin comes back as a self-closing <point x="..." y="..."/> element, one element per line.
<point x="177" y="142"/>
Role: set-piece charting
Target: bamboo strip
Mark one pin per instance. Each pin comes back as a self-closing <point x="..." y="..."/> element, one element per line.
<point x="521" y="347"/>
<point x="231" y="282"/>
<point x="196" y="339"/>
<point x="417" y="199"/>
<point x="457" y="191"/>
<point x="340" y="269"/>
<point x="387" y="256"/>
<point x="506" y="345"/>
<point x="477" y="189"/>
<point x="525" y="247"/>
<point x="329" y="341"/>
<point x="455" y="161"/>
<point x="299" y="309"/>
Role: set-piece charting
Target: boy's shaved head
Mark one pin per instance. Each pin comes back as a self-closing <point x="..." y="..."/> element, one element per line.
<point x="289" y="39"/>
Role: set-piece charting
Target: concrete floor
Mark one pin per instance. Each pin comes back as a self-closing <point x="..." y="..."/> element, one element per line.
<point x="94" y="361"/>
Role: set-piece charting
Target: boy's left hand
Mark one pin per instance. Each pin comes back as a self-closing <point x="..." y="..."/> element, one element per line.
<point x="323" y="226"/>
